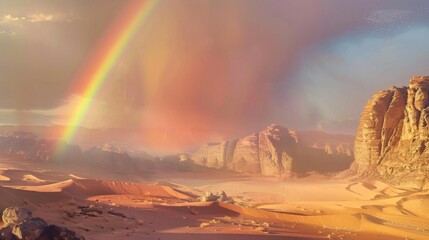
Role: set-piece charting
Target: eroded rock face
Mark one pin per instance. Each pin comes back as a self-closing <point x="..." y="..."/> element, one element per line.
<point x="275" y="148"/>
<point x="393" y="135"/>
<point x="278" y="151"/>
<point x="244" y="156"/>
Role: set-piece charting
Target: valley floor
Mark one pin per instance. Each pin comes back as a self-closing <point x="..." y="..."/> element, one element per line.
<point x="162" y="204"/>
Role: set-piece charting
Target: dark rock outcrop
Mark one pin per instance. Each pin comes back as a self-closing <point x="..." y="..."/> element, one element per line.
<point x="53" y="232"/>
<point x="19" y="224"/>
<point x="6" y="233"/>
<point x="29" y="229"/>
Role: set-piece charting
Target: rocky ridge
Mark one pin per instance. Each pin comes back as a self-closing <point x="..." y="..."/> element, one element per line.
<point x="393" y="136"/>
<point x="277" y="151"/>
<point x="27" y="146"/>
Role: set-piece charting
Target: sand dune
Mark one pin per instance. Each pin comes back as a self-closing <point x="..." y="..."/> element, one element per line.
<point x="73" y="176"/>
<point x="32" y="178"/>
<point x="3" y="178"/>
<point x="91" y="187"/>
<point x="166" y="208"/>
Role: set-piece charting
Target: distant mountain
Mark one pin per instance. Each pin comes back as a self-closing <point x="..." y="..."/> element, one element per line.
<point x="28" y="147"/>
<point x="21" y="145"/>
<point x="278" y="151"/>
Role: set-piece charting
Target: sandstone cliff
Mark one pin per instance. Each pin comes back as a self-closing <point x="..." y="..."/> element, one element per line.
<point x="393" y="135"/>
<point x="278" y="151"/>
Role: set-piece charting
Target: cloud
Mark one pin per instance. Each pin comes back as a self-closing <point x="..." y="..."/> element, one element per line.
<point x="34" y="18"/>
<point x="58" y="115"/>
<point x="229" y="67"/>
<point x="337" y="79"/>
<point x="40" y="18"/>
<point x="9" y="18"/>
<point x="7" y="33"/>
<point x="388" y="16"/>
<point x="93" y="118"/>
<point x="347" y="126"/>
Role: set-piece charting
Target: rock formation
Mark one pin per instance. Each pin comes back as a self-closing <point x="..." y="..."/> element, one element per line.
<point x="19" y="224"/>
<point x="216" y="197"/>
<point x="393" y="135"/>
<point x="243" y="154"/>
<point x="110" y="157"/>
<point x="278" y="151"/>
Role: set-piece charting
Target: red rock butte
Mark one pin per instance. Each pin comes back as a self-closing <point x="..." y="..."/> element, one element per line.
<point x="393" y="135"/>
<point x="278" y="151"/>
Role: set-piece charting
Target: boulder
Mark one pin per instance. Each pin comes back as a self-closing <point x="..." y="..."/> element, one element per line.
<point x="6" y="233"/>
<point x="53" y="232"/>
<point x="20" y="225"/>
<point x="15" y="215"/>
<point x="30" y="229"/>
<point x="216" y="197"/>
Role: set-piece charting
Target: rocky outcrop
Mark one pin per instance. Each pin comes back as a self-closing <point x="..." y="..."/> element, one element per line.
<point x="277" y="151"/>
<point x="393" y="135"/>
<point x="276" y="147"/>
<point x="110" y="157"/>
<point x="56" y="232"/>
<point x="30" y="229"/>
<point x="18" y="223"/>
<point x="244" y="154"/>
<point x="216" y="197"/>
<point x="14" y="215"/>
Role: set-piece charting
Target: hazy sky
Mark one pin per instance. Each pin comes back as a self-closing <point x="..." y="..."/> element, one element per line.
<point x="207" y="69"/>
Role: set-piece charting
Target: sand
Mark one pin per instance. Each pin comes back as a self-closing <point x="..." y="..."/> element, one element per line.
<point x="165" y="205"/>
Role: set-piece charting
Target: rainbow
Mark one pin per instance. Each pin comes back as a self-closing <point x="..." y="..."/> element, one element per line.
<point x="103" y="59"/>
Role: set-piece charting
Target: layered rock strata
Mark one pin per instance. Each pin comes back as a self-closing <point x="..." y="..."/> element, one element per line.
<point x="393" y="136"/>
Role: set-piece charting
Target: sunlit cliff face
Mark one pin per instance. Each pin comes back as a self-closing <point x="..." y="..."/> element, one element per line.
<point x="200" y="71"/>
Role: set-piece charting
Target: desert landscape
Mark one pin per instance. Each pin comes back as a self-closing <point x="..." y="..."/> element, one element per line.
<point x="104" y="205"/>
<point x="214" y="119"/>
<point x="278" y="184"/>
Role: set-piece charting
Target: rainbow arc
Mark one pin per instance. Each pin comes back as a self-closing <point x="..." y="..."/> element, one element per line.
<point x="103" y="59"/>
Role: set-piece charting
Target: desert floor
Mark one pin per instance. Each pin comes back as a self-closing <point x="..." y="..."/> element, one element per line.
<point x="162" y="204"/>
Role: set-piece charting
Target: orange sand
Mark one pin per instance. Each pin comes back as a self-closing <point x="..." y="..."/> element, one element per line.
<point x="165" y="206"/>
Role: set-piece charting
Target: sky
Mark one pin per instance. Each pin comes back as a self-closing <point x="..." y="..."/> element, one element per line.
<point x="201" y="70"/>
